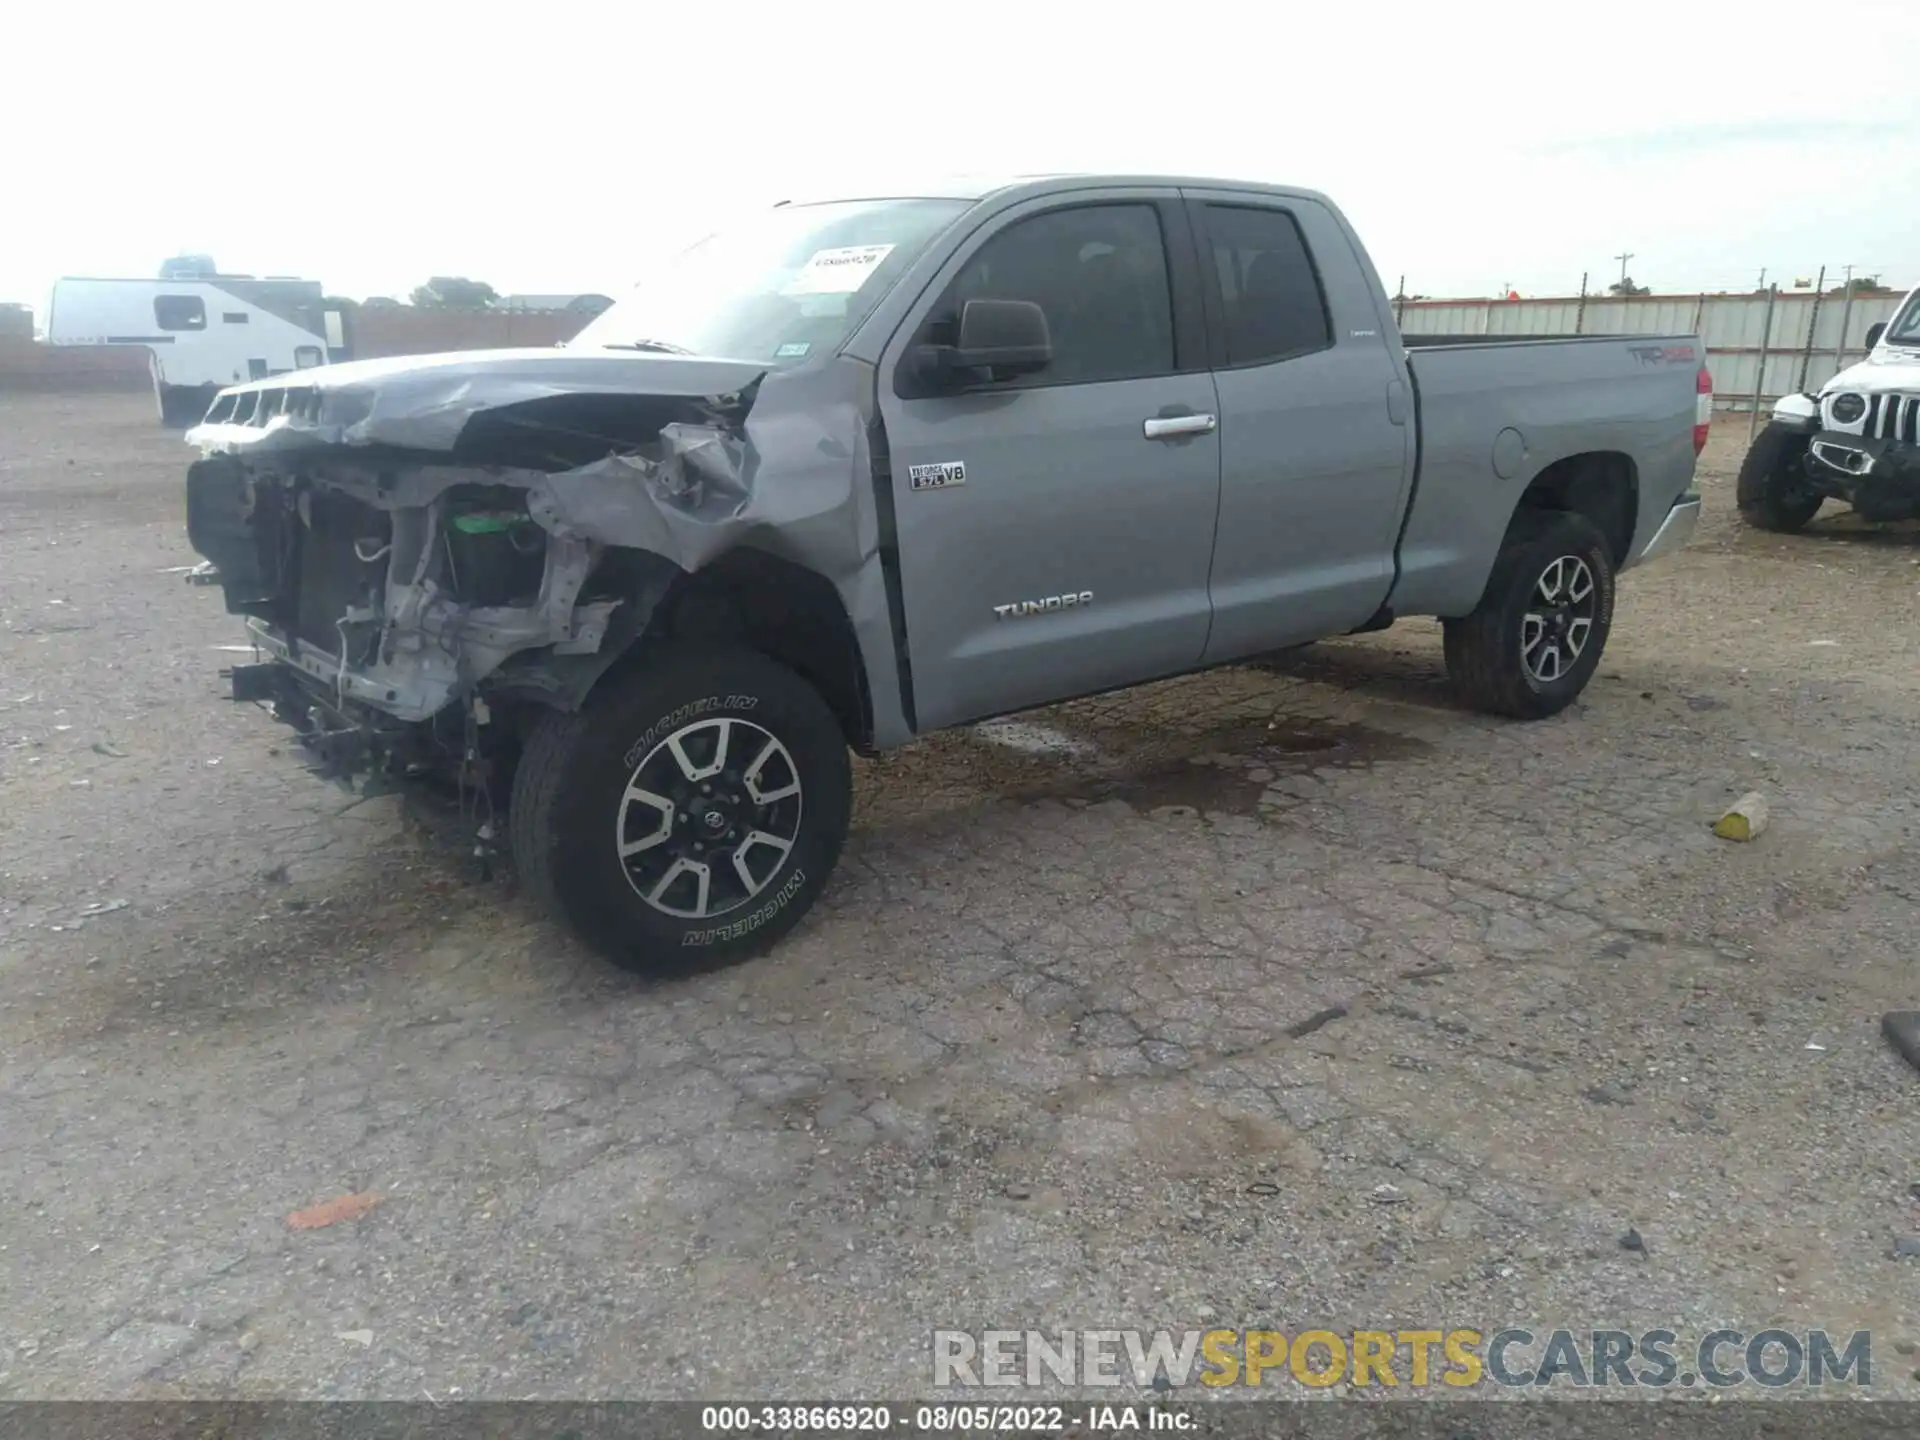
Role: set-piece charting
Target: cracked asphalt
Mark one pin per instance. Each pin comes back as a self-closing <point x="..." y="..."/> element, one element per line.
<point x="1285" y="996"/>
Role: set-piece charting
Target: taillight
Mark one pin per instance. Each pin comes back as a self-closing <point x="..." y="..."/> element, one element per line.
<point x="1702" y="409"/>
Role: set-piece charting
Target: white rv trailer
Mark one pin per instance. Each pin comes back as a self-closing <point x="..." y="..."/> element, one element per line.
<point x="203" y="332"/>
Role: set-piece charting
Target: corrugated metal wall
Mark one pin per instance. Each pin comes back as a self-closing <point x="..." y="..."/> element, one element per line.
<point x="382" y="330"/>
<point x="1735" y="328"/>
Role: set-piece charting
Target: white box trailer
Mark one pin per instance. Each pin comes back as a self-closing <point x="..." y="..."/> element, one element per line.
<point x="203" y="333"/>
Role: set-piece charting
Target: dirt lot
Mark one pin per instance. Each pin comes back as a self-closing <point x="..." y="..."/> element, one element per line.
<point x="1118" y="1015"/>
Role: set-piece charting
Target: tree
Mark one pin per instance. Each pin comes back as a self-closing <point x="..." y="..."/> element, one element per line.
<point x="454" y="292"/>
<point x="340" y="302"/>
<point x="381" y="302"/>
<point x="1625" y="286"/>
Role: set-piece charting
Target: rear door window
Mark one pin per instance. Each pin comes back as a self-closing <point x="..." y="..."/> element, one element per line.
<point x="1272" y="307"/>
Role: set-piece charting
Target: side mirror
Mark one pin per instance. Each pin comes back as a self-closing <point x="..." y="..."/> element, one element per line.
<point x="1009" y="337"/>
<point x="1874" y="332"/>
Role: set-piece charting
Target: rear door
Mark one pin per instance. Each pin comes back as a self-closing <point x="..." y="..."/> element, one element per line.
<point x="1315" y="424"/>
<point x="1055" y="529"/>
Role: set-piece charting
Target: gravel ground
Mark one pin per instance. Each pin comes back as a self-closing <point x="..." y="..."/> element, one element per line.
<point x="1119" y="1014"/>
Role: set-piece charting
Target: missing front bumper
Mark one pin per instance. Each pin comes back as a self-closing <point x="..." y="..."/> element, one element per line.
<point x="347" y="742"/>
<point x="408" y="705"/>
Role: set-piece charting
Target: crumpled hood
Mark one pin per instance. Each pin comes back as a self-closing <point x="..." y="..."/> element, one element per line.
<point x="1886" y="369"/>
<point x="423" y="402"/>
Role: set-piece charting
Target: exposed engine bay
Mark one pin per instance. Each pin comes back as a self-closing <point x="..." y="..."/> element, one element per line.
<point x="414" y="544"/>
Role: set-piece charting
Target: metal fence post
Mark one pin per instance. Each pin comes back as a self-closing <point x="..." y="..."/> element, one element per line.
<point x="1400" y="304"/>
<point x="1846" y="319"/>
<point x="1806" y="355"/>
<point x="1760" y="375"/>
<point x="1580" y="315"/>
<point x="1699" y="328"/>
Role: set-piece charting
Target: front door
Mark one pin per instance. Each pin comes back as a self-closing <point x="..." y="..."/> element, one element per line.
<point x="1055" y="529"/>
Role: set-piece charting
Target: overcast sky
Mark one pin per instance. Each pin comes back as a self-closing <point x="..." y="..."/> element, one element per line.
<point x="552" y="147"/>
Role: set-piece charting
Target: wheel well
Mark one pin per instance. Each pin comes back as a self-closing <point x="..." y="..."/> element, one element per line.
<point x="1603" y="486"/>
<point x="784" y="611"/>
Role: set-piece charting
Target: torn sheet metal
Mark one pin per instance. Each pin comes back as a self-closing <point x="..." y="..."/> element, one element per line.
<point x="680" y="502"/>
<point x="772" y="461"/>
<point x="709" y="492"/>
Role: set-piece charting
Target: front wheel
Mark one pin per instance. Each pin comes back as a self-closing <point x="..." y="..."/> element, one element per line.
<point x="690" y="816"/>
<point x="1772" y="491"/>
<point x="1535" y="639"/>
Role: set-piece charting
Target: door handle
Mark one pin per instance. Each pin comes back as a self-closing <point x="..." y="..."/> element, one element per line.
<point x="1172" y="427"/>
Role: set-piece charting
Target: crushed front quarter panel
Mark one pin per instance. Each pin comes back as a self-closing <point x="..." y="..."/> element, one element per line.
<point x="677" y="459"/>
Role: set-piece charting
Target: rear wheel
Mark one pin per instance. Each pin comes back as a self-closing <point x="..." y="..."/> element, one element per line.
<point x="1772" y="492"/>
<point x="690" y="816"/>
<point x="1535" y="639"/>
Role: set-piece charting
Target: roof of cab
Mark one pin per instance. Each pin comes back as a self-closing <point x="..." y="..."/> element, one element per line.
<point x="980" y="187"/>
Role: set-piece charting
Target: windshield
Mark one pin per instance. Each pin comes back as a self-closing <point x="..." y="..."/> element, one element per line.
<point x="790" y="283"/>
<point x="1905" y="329"/>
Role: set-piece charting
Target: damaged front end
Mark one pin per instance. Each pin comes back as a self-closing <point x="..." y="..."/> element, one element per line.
<point x="415" y="543"/>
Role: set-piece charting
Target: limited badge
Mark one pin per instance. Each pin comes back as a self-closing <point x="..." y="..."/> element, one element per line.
<point x="946" y="474"/>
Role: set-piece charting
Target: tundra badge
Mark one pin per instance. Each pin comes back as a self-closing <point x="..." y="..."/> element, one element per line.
<point x="942" y="476"/>
<point x="1053" y="603"/>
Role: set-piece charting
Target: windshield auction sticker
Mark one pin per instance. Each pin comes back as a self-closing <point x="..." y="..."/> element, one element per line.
<point x="839" y="271"/>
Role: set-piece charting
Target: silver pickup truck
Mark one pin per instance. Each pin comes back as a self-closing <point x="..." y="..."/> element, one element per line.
<point x="858" y="470"/>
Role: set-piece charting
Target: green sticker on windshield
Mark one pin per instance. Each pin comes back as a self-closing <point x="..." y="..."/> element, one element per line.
<point x="792" y="350"/>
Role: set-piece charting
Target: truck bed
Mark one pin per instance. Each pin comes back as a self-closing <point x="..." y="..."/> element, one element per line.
<point x="1523" y="403"/>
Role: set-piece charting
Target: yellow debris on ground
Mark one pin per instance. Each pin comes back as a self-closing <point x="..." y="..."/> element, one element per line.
<point x="1745" y="820"/>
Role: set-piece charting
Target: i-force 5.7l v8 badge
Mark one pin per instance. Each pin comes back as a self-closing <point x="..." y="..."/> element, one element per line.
<point x="942" y="476"/>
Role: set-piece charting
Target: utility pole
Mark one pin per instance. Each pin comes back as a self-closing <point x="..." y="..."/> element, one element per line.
<point x="1623" y="257"/>
<point x="1760" y="376"/>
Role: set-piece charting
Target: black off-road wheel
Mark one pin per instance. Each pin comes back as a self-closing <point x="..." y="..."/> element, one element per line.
<point x="1773" y="492"/>
<point x="688" y="817"/>
<point x="1529" y="648"/>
